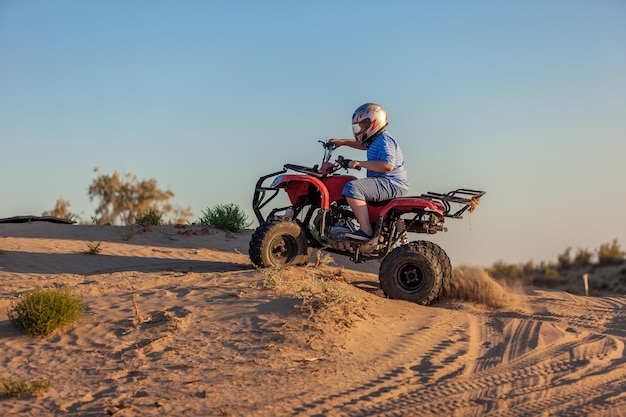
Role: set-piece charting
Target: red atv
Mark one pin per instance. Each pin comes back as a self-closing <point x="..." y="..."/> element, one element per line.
<point x="318" y="216"/>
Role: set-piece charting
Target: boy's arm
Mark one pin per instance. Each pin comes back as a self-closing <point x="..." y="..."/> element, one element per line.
<point x="352" y="143"/>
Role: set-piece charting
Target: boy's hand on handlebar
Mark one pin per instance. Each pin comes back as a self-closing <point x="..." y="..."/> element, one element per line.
<point x="333" y="143"/>
<point x="354" y="165"/>
<point x="350" y="163"/>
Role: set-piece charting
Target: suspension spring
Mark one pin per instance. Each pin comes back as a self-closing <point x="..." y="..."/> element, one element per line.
<point x="401" y="230"/>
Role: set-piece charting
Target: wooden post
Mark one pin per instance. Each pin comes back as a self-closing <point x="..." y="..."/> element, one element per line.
<point x="586" y="281"/>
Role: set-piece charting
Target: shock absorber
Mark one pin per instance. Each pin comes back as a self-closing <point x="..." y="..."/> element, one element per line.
<point x="401" y="230"/>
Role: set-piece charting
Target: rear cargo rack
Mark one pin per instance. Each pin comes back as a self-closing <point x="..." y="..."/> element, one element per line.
<point x="468" y="199"/>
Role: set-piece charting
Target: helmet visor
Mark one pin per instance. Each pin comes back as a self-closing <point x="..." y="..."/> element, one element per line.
<point x="360" y="127"/>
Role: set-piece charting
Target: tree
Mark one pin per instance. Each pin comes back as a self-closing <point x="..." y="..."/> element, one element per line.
<point x="124" y="198"/>
<point x="61" y="210"/>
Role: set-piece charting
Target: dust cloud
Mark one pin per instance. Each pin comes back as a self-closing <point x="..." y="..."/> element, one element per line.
<point x="475" y="285"/>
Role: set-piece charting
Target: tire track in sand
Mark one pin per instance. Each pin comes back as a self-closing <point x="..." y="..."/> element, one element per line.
<point x="500" y="363"/>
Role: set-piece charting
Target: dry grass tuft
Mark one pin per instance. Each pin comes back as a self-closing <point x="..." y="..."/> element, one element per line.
<point x="323" y="295"/>
<point x="21" y="388"/>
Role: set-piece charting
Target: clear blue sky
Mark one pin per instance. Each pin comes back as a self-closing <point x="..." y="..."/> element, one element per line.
<point x="523" y="99"/>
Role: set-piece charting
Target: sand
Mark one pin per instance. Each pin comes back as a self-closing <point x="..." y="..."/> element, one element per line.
<point x="179" y="323"/>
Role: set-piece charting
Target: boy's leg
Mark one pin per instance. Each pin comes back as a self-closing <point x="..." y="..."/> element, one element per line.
<point x="359" y="208"/>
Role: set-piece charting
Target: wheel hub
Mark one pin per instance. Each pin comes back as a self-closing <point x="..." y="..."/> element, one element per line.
<point x="410" y="277"/>
<point x="283" y="249"/>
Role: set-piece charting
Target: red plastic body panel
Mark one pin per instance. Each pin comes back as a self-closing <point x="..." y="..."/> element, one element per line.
<point x="297" y="187"/>
<point x="335" y="185"/>
<point x="405" y="204"/>
<point x="330" y="188"/>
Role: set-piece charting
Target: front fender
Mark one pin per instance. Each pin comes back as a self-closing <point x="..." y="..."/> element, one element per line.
<point x="297" y="188"/>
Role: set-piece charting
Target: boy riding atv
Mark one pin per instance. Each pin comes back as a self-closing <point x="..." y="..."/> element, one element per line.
<point x="364" y="219"/>
<point x="386" y="175"/>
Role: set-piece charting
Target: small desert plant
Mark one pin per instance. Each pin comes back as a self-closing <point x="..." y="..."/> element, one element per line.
<point x="130" y="232"/>
<point x="153" y="217"/>
<point x="274" y="279"/>
<point x="21" y="388"/>
<point x="228" y="217"/>
<point x="96" y="220"/>
<point x="93" y="248"/>
<point x="42" y="311"/>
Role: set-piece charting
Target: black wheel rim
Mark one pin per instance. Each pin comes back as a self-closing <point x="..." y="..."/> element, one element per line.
<point x="410" y="277"/>
<point x="283" y="249"/>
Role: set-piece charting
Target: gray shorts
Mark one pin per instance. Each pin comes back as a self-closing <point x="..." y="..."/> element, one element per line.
<point x="373" y="189"/>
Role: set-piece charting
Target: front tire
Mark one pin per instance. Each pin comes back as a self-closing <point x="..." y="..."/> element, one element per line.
<point x="414" y="272"/>
<point x="279" y="242"/>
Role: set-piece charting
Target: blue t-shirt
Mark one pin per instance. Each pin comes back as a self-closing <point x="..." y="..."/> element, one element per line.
<point x="385" y="148"/>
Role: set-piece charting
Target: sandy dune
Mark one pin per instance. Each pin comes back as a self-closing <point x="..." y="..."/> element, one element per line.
<point x="206" y="339"/>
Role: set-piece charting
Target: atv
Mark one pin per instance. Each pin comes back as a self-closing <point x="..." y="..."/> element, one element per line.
<point x="317" y="216"/>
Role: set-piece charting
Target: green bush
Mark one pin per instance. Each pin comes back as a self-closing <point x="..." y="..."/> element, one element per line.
<point x="42" y="311"/>
<point x="226" y="217"/>
<point x="22" y="388"/>
<point x="153" y="217"/>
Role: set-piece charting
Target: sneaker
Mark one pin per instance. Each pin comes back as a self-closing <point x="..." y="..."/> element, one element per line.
<point x="360" y="235"/>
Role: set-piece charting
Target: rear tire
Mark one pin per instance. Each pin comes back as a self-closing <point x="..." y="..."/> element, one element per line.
<point x="279" y="242"/>
<point x="414" y="272"/>
<point x="444" y="260"/>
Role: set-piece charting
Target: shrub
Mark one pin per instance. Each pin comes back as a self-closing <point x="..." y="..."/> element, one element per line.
<point x="42" y="311"/>
<point x="153" y="217"/>
<point x="226" y="217"/>
<point x="22" y="388"/>
<point x="502" y="270"/>
<point x="564" y="259"/>
<point x="610" y="253"/>
<point x="551" y="272"/>
<point x="583" y="257"/>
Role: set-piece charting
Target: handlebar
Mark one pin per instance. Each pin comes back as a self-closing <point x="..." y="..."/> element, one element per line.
<point x="326" y="167"/>
<point x="345" y="163"/>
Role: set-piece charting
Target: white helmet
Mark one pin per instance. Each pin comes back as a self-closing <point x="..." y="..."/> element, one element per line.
<point x="367" y="121"/>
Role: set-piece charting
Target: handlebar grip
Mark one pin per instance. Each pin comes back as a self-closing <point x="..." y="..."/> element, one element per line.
<point x="345" y="163"/>
<point x="327" y="144"/>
